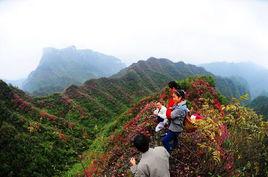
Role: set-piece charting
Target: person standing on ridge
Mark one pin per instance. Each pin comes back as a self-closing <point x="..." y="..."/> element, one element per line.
<point x="177" y="116"/>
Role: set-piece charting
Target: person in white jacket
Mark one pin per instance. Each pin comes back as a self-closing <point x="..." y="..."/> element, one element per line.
<point x="160" y="114"/>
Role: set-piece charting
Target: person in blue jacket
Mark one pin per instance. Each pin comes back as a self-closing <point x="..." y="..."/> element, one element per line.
<point x="178" y="114"/>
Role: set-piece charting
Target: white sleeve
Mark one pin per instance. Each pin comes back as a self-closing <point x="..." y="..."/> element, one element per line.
<point x="162" y="112"/>
<point x="156" y="111"/>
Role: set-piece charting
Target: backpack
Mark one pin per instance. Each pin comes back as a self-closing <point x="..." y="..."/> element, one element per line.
<point x="189" y="125"/>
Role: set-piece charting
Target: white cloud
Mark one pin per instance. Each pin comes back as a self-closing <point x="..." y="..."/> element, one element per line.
<point x="193" y="31"/>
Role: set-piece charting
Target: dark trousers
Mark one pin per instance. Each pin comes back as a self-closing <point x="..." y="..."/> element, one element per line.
<point x="159" y="119"/>
<point x="170" y="136"/>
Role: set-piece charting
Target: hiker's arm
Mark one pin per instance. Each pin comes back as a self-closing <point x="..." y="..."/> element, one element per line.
<point x="178" y="113"/>
<point x="174" y="114"/>
<point x="168" y="113"/>
<point x="169" y="108"/>
<point x="166" y="152"/>
<point x="162" y="113"/>
<point x="137" y="172"/>
<point x="134" y="168"/>
<point x="155" y="112"/>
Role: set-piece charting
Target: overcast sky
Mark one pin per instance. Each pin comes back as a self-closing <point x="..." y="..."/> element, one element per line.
<point x="195" y="32"/>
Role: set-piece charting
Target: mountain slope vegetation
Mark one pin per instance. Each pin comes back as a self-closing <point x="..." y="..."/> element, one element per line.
<point x="46" y="135"/>
<point x="260" y="105"/>
<point x="217" y="147"/>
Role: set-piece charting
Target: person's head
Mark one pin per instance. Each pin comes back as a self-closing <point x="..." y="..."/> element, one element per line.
<point x="159" y="105"/>
<point x="173" y="85"/>
<point x="141" y="142"/>
<point x="178" y="96"/>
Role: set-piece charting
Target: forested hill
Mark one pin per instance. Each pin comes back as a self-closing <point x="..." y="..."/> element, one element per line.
<point x="59" y="68"/>
<point x="43" y="136"/>
<point x="158" y="69"/>
<point x="34" y="142"/>
<point x="260" y="105"/>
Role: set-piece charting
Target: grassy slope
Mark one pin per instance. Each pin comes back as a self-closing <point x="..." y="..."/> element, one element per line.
<point x="85" y="114"/>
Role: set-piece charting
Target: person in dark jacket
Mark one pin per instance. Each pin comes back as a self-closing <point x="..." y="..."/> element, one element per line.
<point x="178" y="114"/>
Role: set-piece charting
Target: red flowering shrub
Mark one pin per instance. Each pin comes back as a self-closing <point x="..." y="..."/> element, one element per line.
<point x="213" y="149"/>
<point x="66" y="100"/>
<point x="114" y="163"/>
<point x="62" y="136"/>
<point x="21" y="104"/>
<point x="70" y="125"/>
<point x="45" y="115"/>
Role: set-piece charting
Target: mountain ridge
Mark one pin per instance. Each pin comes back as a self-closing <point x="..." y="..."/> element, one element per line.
<point x="65" y="124"/>
<point x="59" y="68"/>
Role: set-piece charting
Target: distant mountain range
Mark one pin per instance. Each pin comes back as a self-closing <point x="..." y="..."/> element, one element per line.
<point x="59" y="68"/>
<point x="230" y="87"/>
<point x="255" y="76"/>
<point x="42" y="136"/>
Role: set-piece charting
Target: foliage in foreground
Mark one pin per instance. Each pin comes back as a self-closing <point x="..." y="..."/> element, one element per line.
<point x="231" y="141"/>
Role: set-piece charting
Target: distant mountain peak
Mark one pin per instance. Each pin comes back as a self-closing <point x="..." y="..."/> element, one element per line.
<point x="59" y="68"/>
<point x="152" y="59"/>
<point x="52" y="49"/>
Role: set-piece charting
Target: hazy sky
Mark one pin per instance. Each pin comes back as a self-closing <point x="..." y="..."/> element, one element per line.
<point x="193" y="31"/>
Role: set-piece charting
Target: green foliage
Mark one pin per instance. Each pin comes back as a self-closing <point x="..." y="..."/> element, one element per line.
<point x="35" y="143"/>
<point x="230" y="88"/>
<point x="227" y="88"/>
<point x="46" y="134"/>
<point x="185" y="84"/>
<point x="230" y="141"/>
<point x="248" y="140"/>
<point x="260" y="105"/>
<point x="222" y="99"/>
